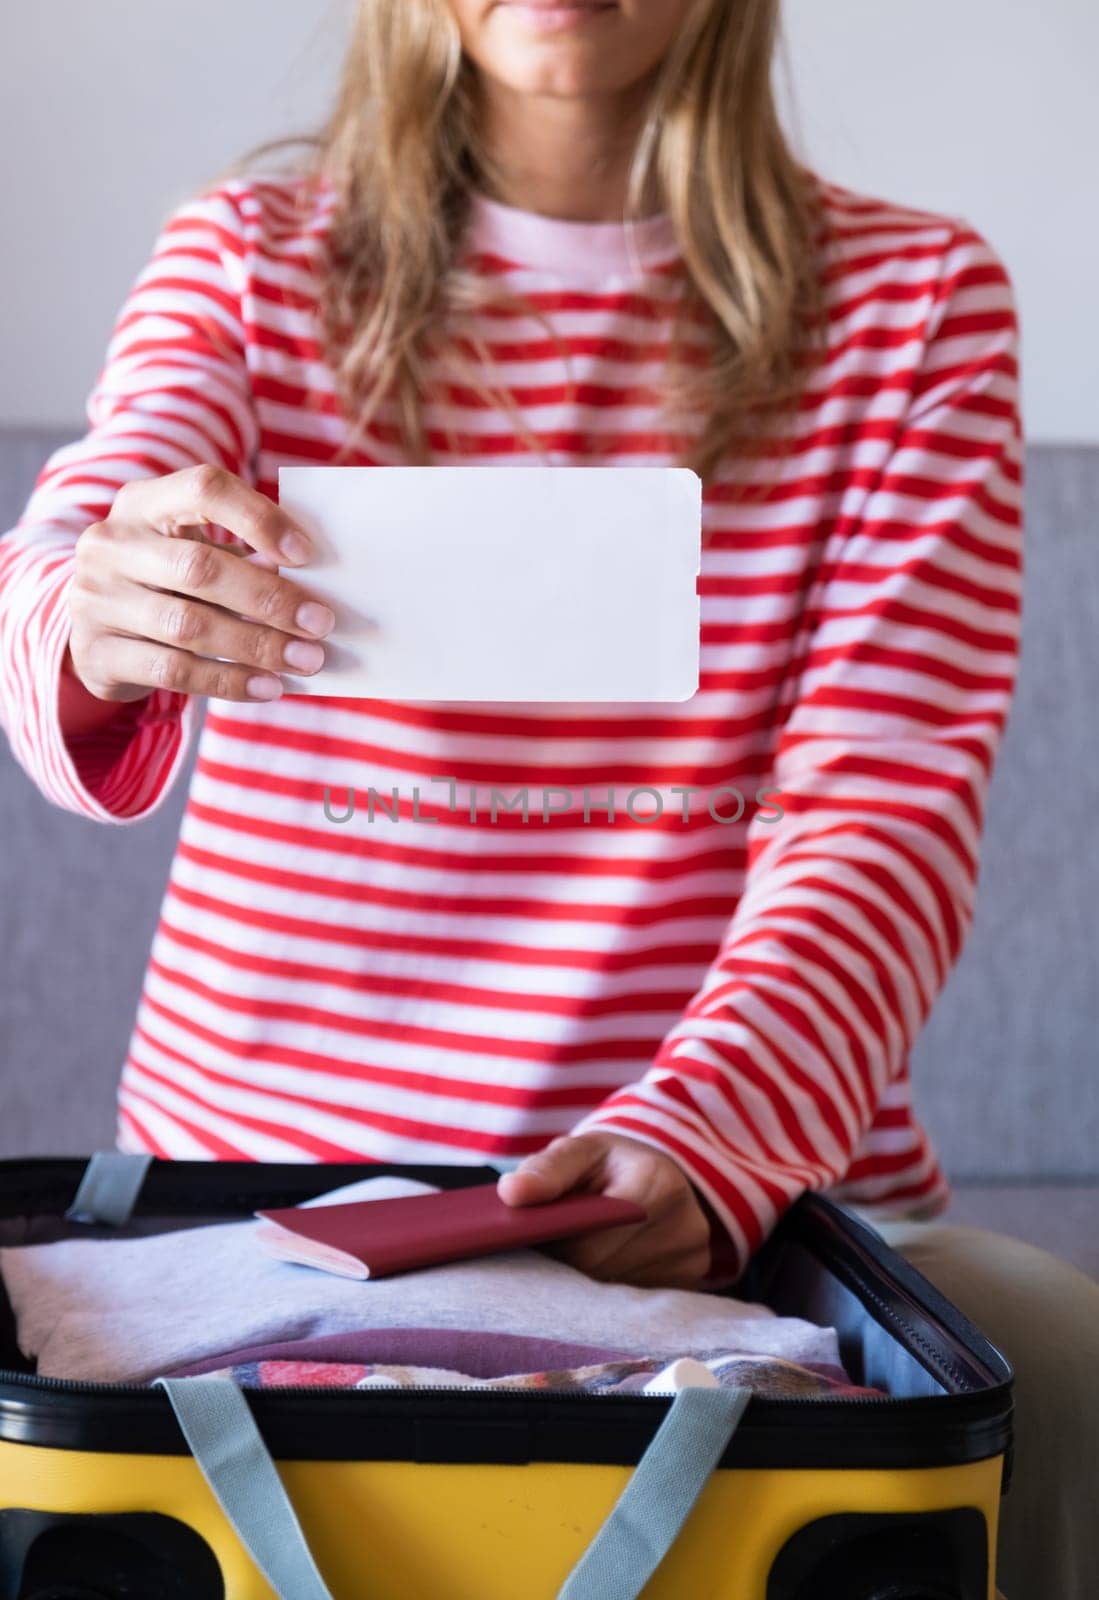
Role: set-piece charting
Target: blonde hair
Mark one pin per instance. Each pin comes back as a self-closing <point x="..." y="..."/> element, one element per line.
<point x="400" y="155"/>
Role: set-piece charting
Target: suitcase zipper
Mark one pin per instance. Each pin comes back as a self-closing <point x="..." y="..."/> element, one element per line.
<point x="905" y="1430"/>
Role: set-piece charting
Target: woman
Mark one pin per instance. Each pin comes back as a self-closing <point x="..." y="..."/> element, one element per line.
<point x="570" y="233"/>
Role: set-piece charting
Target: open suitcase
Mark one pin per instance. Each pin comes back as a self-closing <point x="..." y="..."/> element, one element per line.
<point x="468" y="1495"/>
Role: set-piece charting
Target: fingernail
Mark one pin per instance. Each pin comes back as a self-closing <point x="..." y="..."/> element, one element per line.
<point x="294" y="547"/>
<point x="264" y="688"/>
<point x="315" y="618"/>
<point x="303" y="655"/>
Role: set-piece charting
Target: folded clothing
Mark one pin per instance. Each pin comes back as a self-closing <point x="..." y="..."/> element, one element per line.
<point x="769" y="1376"/>
<point x="473" y="1358"/>
<point x="128" y="1310"/>
<point x="473" y="1351"/>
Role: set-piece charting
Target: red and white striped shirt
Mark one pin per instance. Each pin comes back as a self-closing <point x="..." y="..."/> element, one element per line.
<point x="743" y="995"/>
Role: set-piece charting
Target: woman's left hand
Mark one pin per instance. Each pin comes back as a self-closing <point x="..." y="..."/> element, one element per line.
<point x="671" y="1249"/>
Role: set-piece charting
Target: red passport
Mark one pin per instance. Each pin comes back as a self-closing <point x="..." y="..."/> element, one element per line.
<point x="376" y="1238"/>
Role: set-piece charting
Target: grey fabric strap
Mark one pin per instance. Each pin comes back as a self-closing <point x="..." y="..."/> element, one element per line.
<point x="660" y="1496"/>
<point x="221" y="1432"/>
<point x="109" y="1188"/>
<point x="218" y="1426"/>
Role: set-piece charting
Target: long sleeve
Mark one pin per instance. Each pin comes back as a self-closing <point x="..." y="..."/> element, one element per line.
<point x="173" y="393"/>
<point x="857" y="902"/>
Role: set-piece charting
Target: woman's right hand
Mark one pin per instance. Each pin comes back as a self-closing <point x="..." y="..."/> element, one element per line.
<point x="153" y="601"/>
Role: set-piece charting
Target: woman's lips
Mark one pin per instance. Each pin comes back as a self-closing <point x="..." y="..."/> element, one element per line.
<point x="551" y="16"/>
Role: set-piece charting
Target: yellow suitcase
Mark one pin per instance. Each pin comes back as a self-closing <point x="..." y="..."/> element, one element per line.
<point x="525" y="1495"/>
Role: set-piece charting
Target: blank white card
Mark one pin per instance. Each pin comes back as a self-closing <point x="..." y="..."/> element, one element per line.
<point x="502" y="583"/>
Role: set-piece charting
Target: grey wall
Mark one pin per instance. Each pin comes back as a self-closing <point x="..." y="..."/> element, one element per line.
<point x="78" y="905"/>
<point x="1006" y="1072"/>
